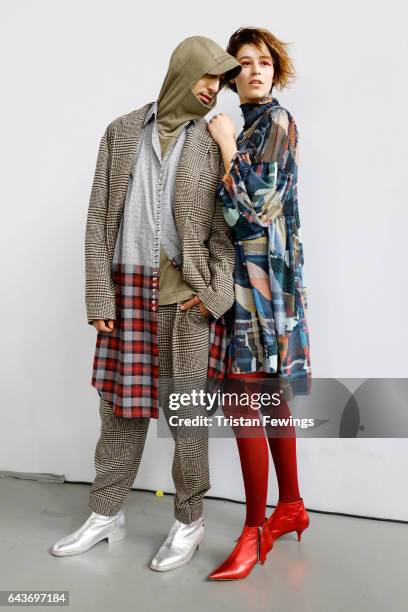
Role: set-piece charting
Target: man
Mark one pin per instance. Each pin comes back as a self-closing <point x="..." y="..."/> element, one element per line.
<point x="154" y="215"/>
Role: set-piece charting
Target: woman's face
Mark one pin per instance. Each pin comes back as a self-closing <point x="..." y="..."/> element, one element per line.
<point x="254" y="82"/>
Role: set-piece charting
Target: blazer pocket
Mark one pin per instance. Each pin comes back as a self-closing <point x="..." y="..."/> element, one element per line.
<point x="196" y="313"/>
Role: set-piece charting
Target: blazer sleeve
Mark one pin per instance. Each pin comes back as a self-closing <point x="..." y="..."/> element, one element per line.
<point x="254" y="192"/>
<point x="219" y="296"/>
<point x="99" y="287"/>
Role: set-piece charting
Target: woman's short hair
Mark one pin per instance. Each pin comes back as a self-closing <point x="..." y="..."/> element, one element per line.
<point x="284" y="71"/>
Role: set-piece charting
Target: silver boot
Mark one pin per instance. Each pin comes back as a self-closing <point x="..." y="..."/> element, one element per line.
<point x="179" y="546"/>
<point x="96" y="528"/>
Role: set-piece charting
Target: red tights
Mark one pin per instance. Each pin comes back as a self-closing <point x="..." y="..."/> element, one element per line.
<point x="253" y="453"/>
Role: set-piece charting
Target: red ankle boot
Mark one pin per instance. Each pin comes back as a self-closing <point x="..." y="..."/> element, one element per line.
<point x="287" y="516"/>
<point x="252" y="547"/>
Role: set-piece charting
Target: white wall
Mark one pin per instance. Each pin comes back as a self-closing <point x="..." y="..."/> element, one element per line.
<point x="72" y="67"/>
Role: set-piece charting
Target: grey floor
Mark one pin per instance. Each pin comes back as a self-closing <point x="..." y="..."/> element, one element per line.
<point x="341" y="564"/>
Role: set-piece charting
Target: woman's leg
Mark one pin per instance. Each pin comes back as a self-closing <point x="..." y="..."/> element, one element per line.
<point x="282" y="442"/>
<point x="290" y="513"/>
<point x="283" y="449"/>
<point x="253" y="454"/>
<point x="255" y="541"/>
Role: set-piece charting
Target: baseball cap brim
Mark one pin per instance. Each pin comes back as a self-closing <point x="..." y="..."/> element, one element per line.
<point x="227" y="66"/>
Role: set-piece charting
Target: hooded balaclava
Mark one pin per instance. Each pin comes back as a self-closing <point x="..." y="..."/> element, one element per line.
<point x="190" y="61"/>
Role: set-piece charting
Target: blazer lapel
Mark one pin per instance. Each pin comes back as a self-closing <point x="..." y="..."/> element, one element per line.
<point x="196" y="145"/>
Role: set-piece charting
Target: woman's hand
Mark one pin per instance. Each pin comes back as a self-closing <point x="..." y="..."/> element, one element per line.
<point x="222" y="129"/>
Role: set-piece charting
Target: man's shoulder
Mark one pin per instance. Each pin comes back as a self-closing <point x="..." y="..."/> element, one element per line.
<point x="129" y="118"/>
<point x="202" y="132"/>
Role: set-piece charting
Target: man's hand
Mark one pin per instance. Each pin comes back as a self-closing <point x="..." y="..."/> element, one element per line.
<point x="104" y="325"/>
<point x="196" y="300"/>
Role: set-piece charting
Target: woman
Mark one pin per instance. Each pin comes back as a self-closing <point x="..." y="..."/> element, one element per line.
<point x="270" y="336"/>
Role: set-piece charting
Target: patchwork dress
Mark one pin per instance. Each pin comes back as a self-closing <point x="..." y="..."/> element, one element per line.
<point x="259" y="195"/>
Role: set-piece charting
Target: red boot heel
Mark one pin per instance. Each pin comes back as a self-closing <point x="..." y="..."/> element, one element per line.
<point x="287" y="517"/>
<point x="299" y="533"/>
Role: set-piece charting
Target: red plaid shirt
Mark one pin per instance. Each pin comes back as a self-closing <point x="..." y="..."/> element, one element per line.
<point x="126" y="360"/>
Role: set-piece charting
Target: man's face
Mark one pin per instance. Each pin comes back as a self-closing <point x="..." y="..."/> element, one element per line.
<point x="206" y="88"/>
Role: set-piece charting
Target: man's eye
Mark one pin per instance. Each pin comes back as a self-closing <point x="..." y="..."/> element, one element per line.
<point x="244" y="63"/>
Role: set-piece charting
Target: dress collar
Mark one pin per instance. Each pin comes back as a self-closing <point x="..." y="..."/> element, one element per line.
<point x="252" y="110"/>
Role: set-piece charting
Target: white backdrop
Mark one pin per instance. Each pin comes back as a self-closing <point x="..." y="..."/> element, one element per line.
<point x="69" y="68"/>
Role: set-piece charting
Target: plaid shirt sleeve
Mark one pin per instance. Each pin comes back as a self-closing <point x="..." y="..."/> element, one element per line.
<point x="99" y="286"/>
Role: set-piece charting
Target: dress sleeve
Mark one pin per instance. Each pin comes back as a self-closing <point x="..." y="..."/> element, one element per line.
<point x="254" y="191"/>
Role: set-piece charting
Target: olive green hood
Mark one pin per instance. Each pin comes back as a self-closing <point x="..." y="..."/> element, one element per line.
<point x="190" y="61"/>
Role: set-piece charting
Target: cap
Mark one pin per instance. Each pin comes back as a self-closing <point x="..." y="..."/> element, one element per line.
<point x="228" y="66"/>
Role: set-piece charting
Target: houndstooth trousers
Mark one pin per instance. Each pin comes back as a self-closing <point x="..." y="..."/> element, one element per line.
<point x="183" y="343"/>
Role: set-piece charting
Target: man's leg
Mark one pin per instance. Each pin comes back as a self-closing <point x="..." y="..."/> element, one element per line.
<point x="117" y="458"/>
<point x="118" y="454"/>
<point x="191" y="477"/>
<point x="183" y="362"/>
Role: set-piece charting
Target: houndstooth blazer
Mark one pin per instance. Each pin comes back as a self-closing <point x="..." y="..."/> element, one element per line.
<point x="208" y="254"/>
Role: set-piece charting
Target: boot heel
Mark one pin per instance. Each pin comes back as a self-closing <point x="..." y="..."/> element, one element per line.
<point x="288" y="517"/>
<point x="301" y="529"/>
<point x="117" y="535"/>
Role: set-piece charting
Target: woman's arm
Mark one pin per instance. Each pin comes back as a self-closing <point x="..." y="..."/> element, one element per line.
<point x="228" y="150"/>
<point x="254" y="192"/>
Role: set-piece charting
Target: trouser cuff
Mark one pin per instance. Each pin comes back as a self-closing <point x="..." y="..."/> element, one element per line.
<point x="102" y="506"/>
